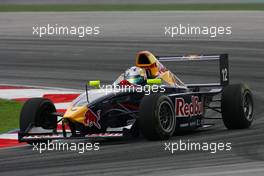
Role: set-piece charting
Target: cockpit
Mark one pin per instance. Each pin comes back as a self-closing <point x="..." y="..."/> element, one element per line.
<point x="148" y="67"/>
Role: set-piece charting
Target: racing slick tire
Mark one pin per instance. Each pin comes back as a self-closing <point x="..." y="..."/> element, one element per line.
<point x="237" y="106"/>
<point x="156" y="117"/>
<point x="37" y="112"/>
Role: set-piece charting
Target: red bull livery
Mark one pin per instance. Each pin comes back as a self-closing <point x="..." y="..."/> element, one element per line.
<point x="146" y="100"/>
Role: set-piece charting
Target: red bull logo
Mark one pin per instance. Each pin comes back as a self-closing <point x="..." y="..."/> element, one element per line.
<point x="92" y="119"/>
<point x="194" y="108"/>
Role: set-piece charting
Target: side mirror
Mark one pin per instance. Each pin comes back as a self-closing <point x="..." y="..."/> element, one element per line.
<point x="154" y="81"/>
<point x="94" y="83"/>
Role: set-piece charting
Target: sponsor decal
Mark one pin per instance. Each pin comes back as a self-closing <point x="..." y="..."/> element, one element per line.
<point x="92" y="119"/>
<point x="74" y="108"/>
<point x="42" y="136"/>
<point x="184" y="125"/>
<point x="194" y="108"/>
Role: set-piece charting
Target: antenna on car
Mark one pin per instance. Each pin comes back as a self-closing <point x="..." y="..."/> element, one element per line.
<point x="94" y="83"/>
<point x="86" y="92"/>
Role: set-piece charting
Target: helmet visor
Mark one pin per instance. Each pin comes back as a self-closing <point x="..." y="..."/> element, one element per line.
<point x="136" y="79"/>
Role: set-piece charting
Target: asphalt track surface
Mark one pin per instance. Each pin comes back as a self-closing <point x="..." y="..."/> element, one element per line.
<point x="69" y="62"/>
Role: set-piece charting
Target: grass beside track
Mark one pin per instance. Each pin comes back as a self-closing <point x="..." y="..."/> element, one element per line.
<point x="9" y="115"/>
<point x="130" y="7"/>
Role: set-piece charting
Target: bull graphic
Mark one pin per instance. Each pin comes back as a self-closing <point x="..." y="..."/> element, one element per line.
<point x="92" y="119"/>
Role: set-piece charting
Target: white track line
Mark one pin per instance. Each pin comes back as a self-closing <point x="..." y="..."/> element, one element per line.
<point x="9" y="136"/>
<point x="28" y="93"/>
<point x="62" y="105"/>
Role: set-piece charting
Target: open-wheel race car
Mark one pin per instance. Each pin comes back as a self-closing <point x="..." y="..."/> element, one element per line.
<point x="147" y="99"/>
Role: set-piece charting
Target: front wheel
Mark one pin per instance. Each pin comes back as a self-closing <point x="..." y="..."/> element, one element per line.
<point x="38" y="112"/>
<point x="237" y="106"/>
<point x="156" y="117"/>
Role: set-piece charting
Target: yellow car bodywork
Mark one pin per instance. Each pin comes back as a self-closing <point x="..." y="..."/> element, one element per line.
<point x="76" y="114"/>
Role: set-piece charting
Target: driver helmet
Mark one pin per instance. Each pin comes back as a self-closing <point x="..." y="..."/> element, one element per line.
<point x="136" y="75"/>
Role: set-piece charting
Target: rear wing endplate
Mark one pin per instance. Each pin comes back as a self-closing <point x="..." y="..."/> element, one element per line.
<point x="223" y="64"/>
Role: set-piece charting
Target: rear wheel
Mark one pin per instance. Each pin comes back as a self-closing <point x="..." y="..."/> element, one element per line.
<point x="237" y="106"/>
<point x="37" y="112"/>
<point x="156" y="117"/>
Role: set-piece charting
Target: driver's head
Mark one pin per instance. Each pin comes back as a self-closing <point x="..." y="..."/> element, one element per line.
<point x="136" y="75"/>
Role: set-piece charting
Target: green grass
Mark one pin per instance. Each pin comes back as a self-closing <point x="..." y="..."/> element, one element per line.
<point x="9" y="115"/>
<point x="130" y="7"/>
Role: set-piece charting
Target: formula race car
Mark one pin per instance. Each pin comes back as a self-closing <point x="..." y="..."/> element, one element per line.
<point x="146" y="100"/>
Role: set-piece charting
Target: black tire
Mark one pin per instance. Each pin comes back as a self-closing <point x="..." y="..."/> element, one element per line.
<point x="156" y="117"/>
<point x="237" y="106"/>
<point x="36" y="112"/>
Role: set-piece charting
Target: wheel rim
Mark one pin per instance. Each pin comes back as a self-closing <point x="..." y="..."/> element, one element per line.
<point x="248" y="106"/>
<point x="47" y="121"/>
<point x="166" y="117"/>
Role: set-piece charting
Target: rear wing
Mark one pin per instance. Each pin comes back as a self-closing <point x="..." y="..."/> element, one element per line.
<point x="223" y="66"/>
